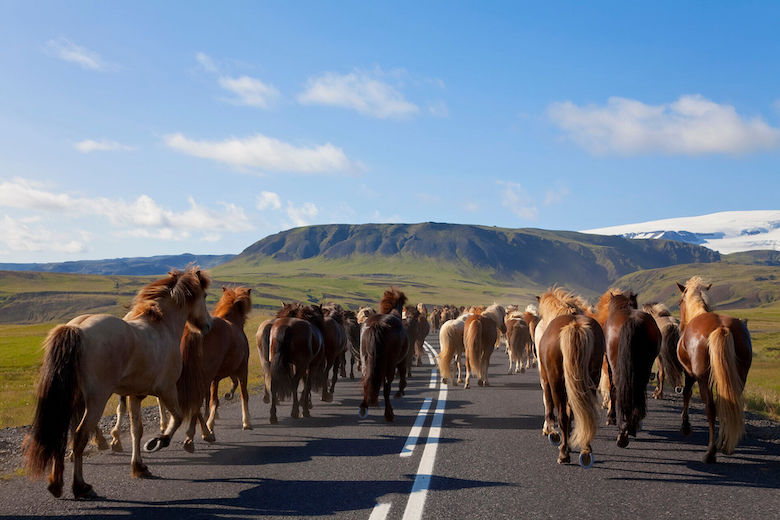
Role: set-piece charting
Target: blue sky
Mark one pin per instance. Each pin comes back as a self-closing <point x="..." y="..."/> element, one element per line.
<point x="138" y="129"/>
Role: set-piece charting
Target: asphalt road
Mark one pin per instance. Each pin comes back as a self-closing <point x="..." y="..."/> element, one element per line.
<point x="480" y="453"/>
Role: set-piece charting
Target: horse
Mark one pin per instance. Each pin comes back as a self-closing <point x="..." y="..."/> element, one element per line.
<point x="96" y="355"/>
<point x="383" y="348"/>
<point x="715" y="351"/>
<point x="410" y="317"/>
<point x="335" y="342"/>
<point x="669" y="366"/>
<point x="570" y="351"/>
<point x="423" y="328"/>
<point x="451" y="344"/>
<point x="436" y="319"/>
<point x="296" y="353"/>
<point x="480" y="335"/>
<point x="633" y="343"/>
<point x="352" y="328"/>
<point x="263" y="341"/>
<point x="519" y="345"/>
<point x="531" y="318"/>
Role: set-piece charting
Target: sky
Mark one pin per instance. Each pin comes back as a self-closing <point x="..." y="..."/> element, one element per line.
<point x="150" y="128"/>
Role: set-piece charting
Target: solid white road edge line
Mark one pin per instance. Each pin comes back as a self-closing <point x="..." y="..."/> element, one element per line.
<point x="380" y="511"/>
<point x="414" y="434"/>
<point x="414" y="507"/>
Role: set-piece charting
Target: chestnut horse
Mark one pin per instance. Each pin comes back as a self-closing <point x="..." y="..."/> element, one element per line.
<point x="410" y="317"/>
<point x="96" y="355"/>
<point x="263" y="341"/>
<point x="436" y="319"/>
<point x="423" y="328"/>
<point x="715" y="350"/>
<point x="669" y="367"/>
<point x="480" y="336"/>
<point x="633" y="343"/>
<point x="570" y="352"/>
<point x="335" y="342"/>
<point x="519" y="345"/>
<point x="383" y="348"/>
<point x="296" y="353"/>
<point x="451" y="345"/>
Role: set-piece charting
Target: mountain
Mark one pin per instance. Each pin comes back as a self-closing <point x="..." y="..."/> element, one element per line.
<point x="139" y="266"/>
<point x="726" y="232"/>
<point x="518" y="257"/>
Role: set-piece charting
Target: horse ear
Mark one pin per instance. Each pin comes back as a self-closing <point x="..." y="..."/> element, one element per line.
<point x="224" y="288"/>
<point x="249" y="290"/>
<point x="681" y="287"/>
<point x="708" y="287"/>
<point x="538" y="298"/>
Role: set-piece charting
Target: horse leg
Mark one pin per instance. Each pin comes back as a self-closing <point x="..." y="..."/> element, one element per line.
<point x="468" y="373"/>
<point x="343" y="364"/>
<point x="273" y="419"/>
<point x="93" y="411"/>
<point x="352" y="367"/>
<point x="458" y="364"/>
<point x="388" y="407"/>
<point x="170" y="399"/>
<point x="565" y="422"/>
<point x="306" y="395"/>
<point x="401" y="384"/>
<point x="121" y="408"/>
<point x="658" y="393"/>
<point x="485" y="364"/>
<point x="163" y="415"/>
<point x="206" y="433"/>
<point x="232" y="393"/>
<point x="246" y="422"/>
<point x="335" y="377"/>
<point x="611" y="411"/>
<point x="137" y="468"/>
<point x="296" y="412"/>
<point x="685" y="427"/>
<point x="189" y="444"/>
<point x="213" y="404"/>
<point x="325" y="386"/>
<point x="549" y="411"/>
<point x="709" y="406"/>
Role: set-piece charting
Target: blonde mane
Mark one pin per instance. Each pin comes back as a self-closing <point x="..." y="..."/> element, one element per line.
<point x="696" y="298"/>
<point x="558" y="301"/>
<point x="178" y="286"/>
<point x="237" y="299"/>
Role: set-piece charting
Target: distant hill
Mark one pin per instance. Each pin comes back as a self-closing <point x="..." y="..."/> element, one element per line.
<point x="520" y="257"/>
<point x="139" y="266"/>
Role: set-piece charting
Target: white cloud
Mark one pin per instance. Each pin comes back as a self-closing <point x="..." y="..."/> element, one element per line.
<point x="206" y="62"/>
<point x="439" y="109"/>
<point x="250" y="91"/>
<point x="302" y="215"/>
<point x="472" y="207"/>
<point x="68" y="51"/>
<point x="517" y="200"/>
<point x="363" y="91"/>
<point x="259" y="151"/>
<point x="268" y="200"/>
<point x="556" y="194"/>
<point x="24" y="194"/>
<point x="21" y="235"/>
<point x="103" y="145"/>
<point x="691" y="125"/>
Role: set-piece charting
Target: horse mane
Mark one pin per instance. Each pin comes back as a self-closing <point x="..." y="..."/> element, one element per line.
<point x="514" y="314"/>
<point x="497" y="313"/>
<point x="179" y="286"/>
<point x="656" y="309"/>
<point x="557" y="301"/>
<point x="696" y="297"/>
<point x="238" y="300"/>
<point x="363" y="313"/>
<point x="335" y="312"/>
<point x="392" y="300"/>
<point x="311" y="313"/>
<point x="411" y="312"/>
<point x="532" y="309"/>
<point x="621" y="301"/>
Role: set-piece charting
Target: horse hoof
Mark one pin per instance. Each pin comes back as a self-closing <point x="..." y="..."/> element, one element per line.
<point x="622" y="440"/>
<point x="141" y="471"/>
<point x="564" y="459"/>
<point x="554" y="438"/>
<point x="247" y="426"/>
<point x="652" y="376"/>
<point x="116" y="447"/>
<point x="55" y="488"/>
<point x="480" y="383"/>
<point x="363" y="412"/>
<point x="273" y="420"/>
<point x="399" y="394"/>
<point x="586" y="460"/>
<point x="189" y="447"/>
<point x="444" y="380"/>
<point x="389" y="416"/>
<point x="228" y="396"/>
<point x="102" y="445"/>
<point x="153" y="445"/>
<point x="83" y="492"/>
<point x="306" y="413"/>
<point x="678" y="390"/>
<point x="266" y="399"/>
<point x="209" y="437"/>
<point x="522" y="370"/>
<point x="709" y="458"/>
<point x="611" y="421"/>
<point x="328" y="398"/>
<point x="685" y="429"/>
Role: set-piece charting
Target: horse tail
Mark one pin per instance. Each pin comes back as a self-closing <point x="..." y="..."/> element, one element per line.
<point x="281" y="372"/>
<point x="671" y="366"/>
<point x="58" y="399"/>
<point x="192" y="385"/>
<point x="373" y="352"/>
<point x="628" y="377"/>
<point x="577" y="342"/>
<point x="471" y="340"/>
<point x="728" y="385"/>
<point x="446" y="353"/>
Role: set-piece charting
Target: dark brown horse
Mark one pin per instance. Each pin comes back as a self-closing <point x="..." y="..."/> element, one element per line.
<point x="633" y="342"/>
<point x="436" y="319"/>
<point x="410" y="317"/>
<point x="383" y="348"/>
<point x="715" y="350"/>
<point x="423" y="328"/>
<point x="335" y="344"/>
<point x="669" y="367"/>
<point x="296" y="354"/>
<point x="352" y="328"/>
<point x="570" y="352"/>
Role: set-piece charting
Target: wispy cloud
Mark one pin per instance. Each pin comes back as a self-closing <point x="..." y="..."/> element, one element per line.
<point x="250" y="91"/>
<point x="206" y="62"/>
<point x="517" y="200"/>
<point x="556" y="194"/>
<point x="68" y="51"/>
<point x="302" y="215"/>
<point x="367" y="92"/>
<point x="103" y="145"/>
<point x="259" y="151"/>
<point x="268" y="200"/>
<point x="28" y="235"/>
<point x="439" y="109"/>
<point x="691" y="125"/>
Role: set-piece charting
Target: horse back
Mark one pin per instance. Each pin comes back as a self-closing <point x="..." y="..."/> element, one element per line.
<point x="693" y="348"/>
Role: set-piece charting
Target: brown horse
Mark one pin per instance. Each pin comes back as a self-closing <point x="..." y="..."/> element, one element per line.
<point x="410" y="317"/>
<point x="451" y="346"/>
<point x="423" y="328"/>
<point x="96" y="355"/>
<point x="570" y="352"/>
<point x="352" y="328"/>
<point x="296" y="354"/>
<point x="715" y="350"/>
<point x="263" y="342"/>
<point x="669" y="367"/>
<point x="532" y="319"/>
<point x="383" y="347"/>
<point x="479" y="339"/>
<point x="224" y="353"/>
<point x="519" y="345"/>
<point x="436" y="319"/>
<point x="633" y="343"/>
<point x="335" y="342"/>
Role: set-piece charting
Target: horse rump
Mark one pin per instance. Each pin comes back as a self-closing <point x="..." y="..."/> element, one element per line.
<point x="58" y="398"/>
<point x="577" y="342"/>
<point x="670" y="335"/>
<point x="372" y="353"/>
<point x="725" y="378"/>
<point x="192" y="386"/>
<point x="632" y="373"/>
<point x="282" y="380"/>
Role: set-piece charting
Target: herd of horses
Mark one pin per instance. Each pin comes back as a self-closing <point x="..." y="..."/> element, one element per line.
<point x="169" y="346"/>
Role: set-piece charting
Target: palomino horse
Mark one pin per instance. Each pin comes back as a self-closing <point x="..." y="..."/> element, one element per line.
<point x="715" y="350"/>
<point x="519" y="345"/>
<point x="480" y="336"/>
<point x="669" y="367"/>
<point x="570" y="352"/>
<point x="633" y="343"/>
<point x="296" y="354"/>
<point x="451" y="344"/>
<point x="383" y="348"/>
<point x="96" y="355"/>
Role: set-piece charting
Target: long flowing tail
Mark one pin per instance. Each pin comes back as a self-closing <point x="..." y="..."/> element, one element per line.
<point x="728" y="385"/>
<point x="446" y="354"/>
<point x="192" y="386"/>
<point x="630" y="380"/>
<point x="281" y="371"/>
<point x="577" y="342"/>
<point x="58" y="397"/>
<point x="671" y="365"/>
<point x="373" y="353"/>
<point x="471" y="340"/>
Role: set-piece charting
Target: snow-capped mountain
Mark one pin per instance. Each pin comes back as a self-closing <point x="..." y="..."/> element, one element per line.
<point x="725" y="232"/>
